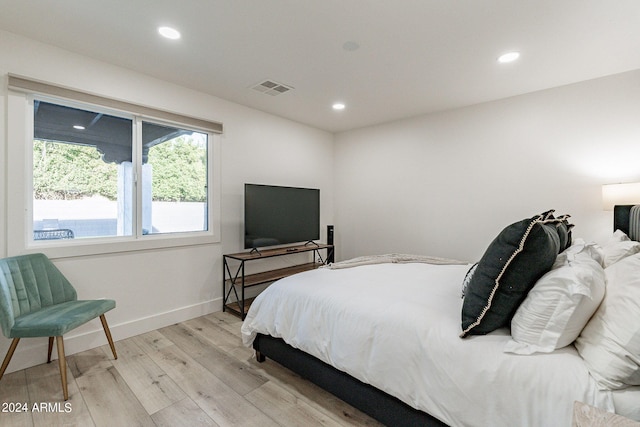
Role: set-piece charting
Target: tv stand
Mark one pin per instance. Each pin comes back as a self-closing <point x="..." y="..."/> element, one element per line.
<point x="234" y="277"/>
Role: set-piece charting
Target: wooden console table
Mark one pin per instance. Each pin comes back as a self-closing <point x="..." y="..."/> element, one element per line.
<point x="234" y="277"/>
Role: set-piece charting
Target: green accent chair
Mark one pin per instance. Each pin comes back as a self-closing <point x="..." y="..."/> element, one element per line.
<point x="36" y="300"/>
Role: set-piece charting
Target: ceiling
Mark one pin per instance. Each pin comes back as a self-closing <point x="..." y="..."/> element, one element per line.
<point x="386" y="60"/>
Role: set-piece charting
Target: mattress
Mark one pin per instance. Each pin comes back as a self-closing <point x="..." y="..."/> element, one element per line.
<point x="397" y="326"/>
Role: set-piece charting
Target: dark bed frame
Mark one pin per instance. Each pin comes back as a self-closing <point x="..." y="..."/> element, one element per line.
<point x="621" y="215"/>
<point x="379" y="405"/>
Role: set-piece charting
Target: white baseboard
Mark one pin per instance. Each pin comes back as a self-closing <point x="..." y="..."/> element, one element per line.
<point x="33" y="351"/>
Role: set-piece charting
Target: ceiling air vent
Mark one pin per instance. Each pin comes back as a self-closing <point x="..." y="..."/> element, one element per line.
<point x="269" y="87"/>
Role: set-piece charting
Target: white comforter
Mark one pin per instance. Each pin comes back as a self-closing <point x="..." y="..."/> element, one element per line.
<point x="396" y="326"/>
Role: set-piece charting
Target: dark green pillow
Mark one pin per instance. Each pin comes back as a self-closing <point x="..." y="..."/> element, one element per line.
<point x="509" y="268"/>
<point x="564" y="232"/>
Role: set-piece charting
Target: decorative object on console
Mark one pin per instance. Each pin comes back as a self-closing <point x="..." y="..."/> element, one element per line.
<point x="331" y="257"/>
<point x="509" y="268"/>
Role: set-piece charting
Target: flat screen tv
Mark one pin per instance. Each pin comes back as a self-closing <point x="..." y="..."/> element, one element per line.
<point x="276" y="215"/>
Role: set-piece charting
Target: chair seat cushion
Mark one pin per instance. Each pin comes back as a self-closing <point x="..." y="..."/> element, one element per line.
<point x="58" y="319"/>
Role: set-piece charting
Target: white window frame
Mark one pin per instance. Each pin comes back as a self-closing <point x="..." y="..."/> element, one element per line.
<point x="20" y="127"/>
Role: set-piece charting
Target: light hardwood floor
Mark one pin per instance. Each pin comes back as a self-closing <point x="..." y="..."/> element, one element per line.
<point x="195" y="373"/>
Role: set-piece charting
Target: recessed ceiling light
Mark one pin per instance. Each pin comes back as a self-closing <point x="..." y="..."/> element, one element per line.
<point x="170" y="33"/>
<point x="338" y="106"/>
<point x="78" y="127"/>
<point x="508" y="57"/>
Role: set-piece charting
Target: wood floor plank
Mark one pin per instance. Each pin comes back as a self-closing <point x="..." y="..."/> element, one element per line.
<point x="217" y="334"/>
<point x="226" y="320"/>
<point x="13" y="393"/>
<point x="315" y="396"/>
<point x="218" y="400"/>
<point x="340" y="411"/>
<point x="222" y="338"/>
<point x="88" y="362"/>
<point x="233" y="372"/>
<point x="195" y="342"/>
<point x="290" y="411"/>
<point x="126" y="348"/>
<point x="224" y="334"/>
<point x="108" y="397"/>
<point x="153" y="388"/>
<point x="202" y="359"/>
<point x="184" y="413"/>
<point x="187" y="340"/>
<point x="151" y="341"/>
<point x="48" y="405"/>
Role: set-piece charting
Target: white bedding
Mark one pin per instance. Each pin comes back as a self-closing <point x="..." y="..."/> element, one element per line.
<point x="396" y="326"/>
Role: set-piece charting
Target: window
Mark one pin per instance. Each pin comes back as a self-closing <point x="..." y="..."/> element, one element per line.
<point x="174" y="180"/>
<point x="82" y="173"/>
<point x="107" y="179"/>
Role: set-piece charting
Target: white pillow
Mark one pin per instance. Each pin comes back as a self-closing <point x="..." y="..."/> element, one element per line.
<point x="592" y="248"/>
<point x="619" y="246"/>
<point x="560" y="303"/>
<point x="610" y="343"/>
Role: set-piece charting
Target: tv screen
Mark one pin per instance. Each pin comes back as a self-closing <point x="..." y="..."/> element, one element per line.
<point x="276" y="215"/>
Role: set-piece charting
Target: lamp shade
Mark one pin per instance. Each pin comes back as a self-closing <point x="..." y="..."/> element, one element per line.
<point x="620" y="194"/>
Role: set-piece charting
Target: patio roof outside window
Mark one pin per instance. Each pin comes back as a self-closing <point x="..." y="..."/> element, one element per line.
<point x="111" y="135"/>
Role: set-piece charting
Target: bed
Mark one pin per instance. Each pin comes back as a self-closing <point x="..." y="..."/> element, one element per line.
<point x="394" y="338"/>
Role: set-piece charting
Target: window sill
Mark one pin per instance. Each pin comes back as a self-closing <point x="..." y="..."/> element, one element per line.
<point x="82" y="247"/>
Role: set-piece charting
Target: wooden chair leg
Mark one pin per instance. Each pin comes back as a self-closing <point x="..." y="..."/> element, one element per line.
<point x="62" y="361"/>
<point x="9" y="355"/>
<point x="108" y="334"/>
<point x="50" y="348"/>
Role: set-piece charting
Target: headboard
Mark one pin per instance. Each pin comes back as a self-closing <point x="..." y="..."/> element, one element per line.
<point x="626" y="218"/>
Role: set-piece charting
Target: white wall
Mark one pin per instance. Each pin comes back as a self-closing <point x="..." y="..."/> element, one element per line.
<point x="159" y="287"/>
<point x="445" y="184"/>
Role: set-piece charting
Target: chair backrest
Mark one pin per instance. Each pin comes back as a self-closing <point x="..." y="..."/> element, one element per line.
<point x="29" y="283"/>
